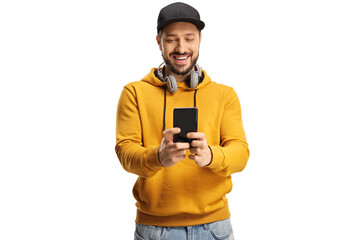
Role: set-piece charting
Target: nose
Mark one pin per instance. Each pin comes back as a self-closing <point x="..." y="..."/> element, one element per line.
<point x="180" y="46"/>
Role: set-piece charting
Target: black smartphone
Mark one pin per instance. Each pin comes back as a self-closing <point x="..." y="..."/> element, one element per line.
<point x="187" y="120"/>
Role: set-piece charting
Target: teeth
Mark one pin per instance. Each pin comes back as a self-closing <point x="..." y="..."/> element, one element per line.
<point x="181" y="58"/>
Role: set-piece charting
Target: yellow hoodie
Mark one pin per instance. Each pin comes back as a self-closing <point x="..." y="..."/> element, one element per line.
<point x="184" y="194"/>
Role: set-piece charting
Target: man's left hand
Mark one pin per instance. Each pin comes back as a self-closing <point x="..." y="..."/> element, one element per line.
<point x="201" y="152"/>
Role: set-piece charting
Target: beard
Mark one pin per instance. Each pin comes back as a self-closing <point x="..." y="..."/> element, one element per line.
<point x="176" y="70"/>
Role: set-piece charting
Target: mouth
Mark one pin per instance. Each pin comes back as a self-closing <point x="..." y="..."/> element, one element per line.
<point x="180" y="59"/>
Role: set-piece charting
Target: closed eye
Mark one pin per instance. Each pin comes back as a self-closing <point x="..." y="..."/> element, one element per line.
<point x="170" y="40"/>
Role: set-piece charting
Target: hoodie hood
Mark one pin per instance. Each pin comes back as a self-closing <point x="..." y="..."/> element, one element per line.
<point x="153" y="80"/>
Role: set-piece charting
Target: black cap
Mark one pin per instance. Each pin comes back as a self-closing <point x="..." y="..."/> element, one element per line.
<point x="179" y="12"/>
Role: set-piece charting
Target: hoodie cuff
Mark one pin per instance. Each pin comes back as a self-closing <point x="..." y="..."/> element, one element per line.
<point x="217" y="157"/>
<point x="152" y="158"/>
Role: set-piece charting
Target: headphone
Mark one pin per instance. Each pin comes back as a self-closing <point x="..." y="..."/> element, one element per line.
<point x="170" y="80"/>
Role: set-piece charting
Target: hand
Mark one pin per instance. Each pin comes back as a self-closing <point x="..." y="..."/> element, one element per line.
<point x="169" y="152"/>
<point x="201" y="152"/>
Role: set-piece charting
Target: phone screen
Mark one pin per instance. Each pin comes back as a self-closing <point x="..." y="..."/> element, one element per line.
<point x="186" y="119"/>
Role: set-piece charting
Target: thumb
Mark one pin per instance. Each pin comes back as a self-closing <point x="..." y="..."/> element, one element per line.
<point x="168" y="134"/>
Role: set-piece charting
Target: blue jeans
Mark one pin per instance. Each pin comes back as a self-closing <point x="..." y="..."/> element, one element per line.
<point x="209" y="231"/>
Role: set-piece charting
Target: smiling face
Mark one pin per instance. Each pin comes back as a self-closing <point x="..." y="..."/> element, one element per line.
<point x="179" y="43"/>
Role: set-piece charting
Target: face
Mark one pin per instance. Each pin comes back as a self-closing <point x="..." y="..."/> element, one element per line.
<point x="179" y="44"/>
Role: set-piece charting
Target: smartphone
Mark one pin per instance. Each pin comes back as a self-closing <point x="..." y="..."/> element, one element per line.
<point x="187" y="120"/>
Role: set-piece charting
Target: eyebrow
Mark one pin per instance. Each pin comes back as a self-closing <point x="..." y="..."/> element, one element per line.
<point x="175" y="35"/>
<point x="170" y="35"/>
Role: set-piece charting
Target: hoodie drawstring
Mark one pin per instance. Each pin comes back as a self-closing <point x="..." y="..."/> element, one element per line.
<point x="195" y="97"/>
<point x="164" y="108"/>
<point x="165" y="105"/>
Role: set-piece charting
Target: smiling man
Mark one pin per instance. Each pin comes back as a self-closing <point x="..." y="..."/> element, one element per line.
<point x="181" y="187"/>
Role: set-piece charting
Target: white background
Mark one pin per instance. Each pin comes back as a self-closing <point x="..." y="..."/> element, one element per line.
<point x="294" y="64"/>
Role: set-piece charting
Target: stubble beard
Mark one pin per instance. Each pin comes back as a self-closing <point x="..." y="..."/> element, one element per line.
<point x="177" y="71"/>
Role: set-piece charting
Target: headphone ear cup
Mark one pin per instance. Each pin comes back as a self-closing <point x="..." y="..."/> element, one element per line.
<point x="194" y="79"/>
<point x="171" y="84"/>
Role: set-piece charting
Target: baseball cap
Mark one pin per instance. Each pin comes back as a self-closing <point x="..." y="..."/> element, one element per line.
<point x="179" y="12"/>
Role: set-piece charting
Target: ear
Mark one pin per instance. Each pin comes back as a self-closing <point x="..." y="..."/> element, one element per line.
<point x="200" y="36"/>
<point x="158" y="42"/>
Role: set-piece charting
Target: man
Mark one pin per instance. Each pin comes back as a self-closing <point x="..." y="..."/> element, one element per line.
<point x="181" y="187"/>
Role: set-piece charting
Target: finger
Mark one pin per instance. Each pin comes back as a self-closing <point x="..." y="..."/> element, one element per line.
<point x="198" y="143"/>
<point x="182" y="145"/>
<point x="178" y="158"/>
<point x="196" y="135"/>
<point x="168" y="134"/>
<point x="194" y="157"/>
<point x="173" y="160"/>
<point x="172" y="147"/>
<point x="178" y="154"/>
<point x="194" y="150"/>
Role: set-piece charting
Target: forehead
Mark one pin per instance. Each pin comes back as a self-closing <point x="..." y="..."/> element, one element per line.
<point x="180" y="28"/>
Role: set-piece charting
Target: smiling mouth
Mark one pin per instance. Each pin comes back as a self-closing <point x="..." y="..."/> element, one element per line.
<point x="180" y="59"/>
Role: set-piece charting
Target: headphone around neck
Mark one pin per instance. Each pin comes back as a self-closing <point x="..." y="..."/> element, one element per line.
<point x="170" y="80"/>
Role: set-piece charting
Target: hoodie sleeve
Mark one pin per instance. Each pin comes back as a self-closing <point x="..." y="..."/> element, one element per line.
<point x="133" y="156"/>
<point x="232" y="154"/>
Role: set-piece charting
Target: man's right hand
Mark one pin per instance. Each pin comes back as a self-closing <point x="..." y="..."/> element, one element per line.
<point x="169" y="152"/>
